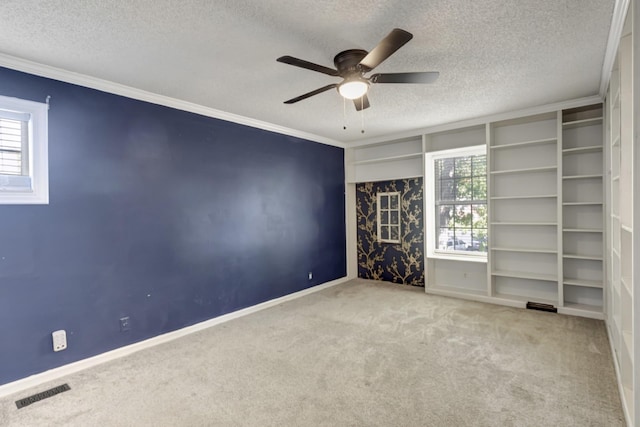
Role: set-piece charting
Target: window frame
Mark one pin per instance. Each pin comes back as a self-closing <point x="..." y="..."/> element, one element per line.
<point x="32" y="188"/>
<point x="388" y="223"/>
<point x="430" y="204"/>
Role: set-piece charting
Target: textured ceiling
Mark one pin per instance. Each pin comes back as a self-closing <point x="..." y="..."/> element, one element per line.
<point x="493" y="55"/>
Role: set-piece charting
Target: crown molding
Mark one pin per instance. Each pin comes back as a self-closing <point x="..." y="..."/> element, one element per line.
<point x="532" y="111"/>
<point x="66" y="76"/>
<point x="615" y="32"/>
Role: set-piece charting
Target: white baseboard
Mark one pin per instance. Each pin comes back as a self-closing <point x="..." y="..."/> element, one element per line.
<point x="625" y="410"/>
<point x="71" y="368"/>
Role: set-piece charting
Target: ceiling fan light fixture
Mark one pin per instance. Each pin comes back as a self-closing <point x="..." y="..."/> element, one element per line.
<point x="353" y="89"/>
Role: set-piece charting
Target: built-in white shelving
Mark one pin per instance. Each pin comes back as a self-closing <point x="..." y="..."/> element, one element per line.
<point x="389" y="159"/>
<point x="582" y="260"/>
<point x="396" y="159"/>
<point x="525" y="170"/>
<point x="523" y="166"/>
<point x="622" y="208"/>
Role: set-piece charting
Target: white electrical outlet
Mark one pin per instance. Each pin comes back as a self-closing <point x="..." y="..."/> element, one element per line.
<point x="59" y="340"/>
<point x="310" y="275"/>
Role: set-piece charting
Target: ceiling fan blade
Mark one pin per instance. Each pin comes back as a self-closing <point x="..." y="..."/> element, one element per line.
<point x="310" y="94"/>
<point x="424" y="77"/>
<point x="387" y="46"/>
<point x="308" y="65"/>
<point x="361" y="103"/>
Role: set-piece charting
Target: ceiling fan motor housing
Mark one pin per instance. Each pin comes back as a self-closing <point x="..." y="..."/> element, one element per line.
<point x="347" y="62"/>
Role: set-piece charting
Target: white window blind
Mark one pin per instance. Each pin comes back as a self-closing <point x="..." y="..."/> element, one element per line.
<point x="14" y="141"/>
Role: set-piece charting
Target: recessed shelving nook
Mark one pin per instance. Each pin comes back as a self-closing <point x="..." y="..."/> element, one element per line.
<point x="523" y="165"/>
<point x="583" y="208"/>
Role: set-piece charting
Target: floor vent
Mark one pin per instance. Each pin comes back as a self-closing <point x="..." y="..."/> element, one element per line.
<point x="43" y="395"/>
<point x="542" y="307"/>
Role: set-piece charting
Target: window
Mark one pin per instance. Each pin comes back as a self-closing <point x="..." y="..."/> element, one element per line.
<point x="458" y="199"/>
<point x="24" y="177"/>
<point x="389" y="217"/>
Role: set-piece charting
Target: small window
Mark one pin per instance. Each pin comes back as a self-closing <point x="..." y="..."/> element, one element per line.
<point x="389" y="217"/>
<point x="458" y="199"/>
<point x="24" y="177"/>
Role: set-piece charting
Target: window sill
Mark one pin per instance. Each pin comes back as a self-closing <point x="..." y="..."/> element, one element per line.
<point x="457" y="257"/>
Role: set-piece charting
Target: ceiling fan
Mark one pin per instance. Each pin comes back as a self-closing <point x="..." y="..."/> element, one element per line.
<point x="353" y="64"/>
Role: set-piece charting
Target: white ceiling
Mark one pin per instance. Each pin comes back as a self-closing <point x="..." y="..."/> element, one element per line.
<point x="493" y="55"/>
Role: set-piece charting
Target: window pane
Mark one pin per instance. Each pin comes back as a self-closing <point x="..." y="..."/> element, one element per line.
<point x="395" y="233"/>
<point x="444" y="168"/>
<point x="479" y="216"/>
<point x="394" y="201"/>
<point x="480" y="188"/>
<point x="384" y="231"/>
<point x="462" y="167"/>
<point x="384" y="217"/>
<point x="446" y="190"/>
<point x="479" y="165"/>
<point x="462" y="216"/>
<point x="384" y="202"/>
<point x="464" y="191"/>
<point x="444" y="237"/>
<point x="395" y="220"/>
<point x="479" y="242"/>
<point x="445" y="215"/>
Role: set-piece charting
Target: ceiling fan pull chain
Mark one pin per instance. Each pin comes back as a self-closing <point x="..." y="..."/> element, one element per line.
<point x="344" y="113"/>
<point x="362" y="114"/>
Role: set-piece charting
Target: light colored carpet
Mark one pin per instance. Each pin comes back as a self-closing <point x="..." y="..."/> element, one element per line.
<point x="358" y="354"/>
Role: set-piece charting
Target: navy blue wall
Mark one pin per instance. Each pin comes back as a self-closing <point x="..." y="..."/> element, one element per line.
<point x="165" y="216"/>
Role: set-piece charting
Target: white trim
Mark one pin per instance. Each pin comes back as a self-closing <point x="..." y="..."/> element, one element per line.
<point x="37" y="152"/>
<point x="625" y="410"/>
<point x="42" y="70"/>
<point x="430" y="200"/>
<point x="615" y="33"/>
<point x="379" y="209"/>
<point x="435" y="290"/>
<point x="459" y="256"/>
<point x="71" y="368"/>
<point x="483" y="120"/>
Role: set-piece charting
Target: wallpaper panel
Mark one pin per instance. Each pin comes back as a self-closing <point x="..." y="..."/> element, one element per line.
<point x="399" y="263"/>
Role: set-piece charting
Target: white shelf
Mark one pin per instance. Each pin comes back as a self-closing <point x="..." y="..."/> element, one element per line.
<point x="546" y="224"/>
<point x="594" y="176"/>
<point x="524" y="143"/>
<point x="541" y="196"/>
<point x="582" y="150"/>
<point x="580" y="123"/>
<point x="582" y="282"/>
<point x="387" y="159"/>
<point x="582" y="203"/>
<point x="582" y="230"/>
<point x="525" y="275"/>
<point x="526" y="250"/>
<point x="585" y="257"/>
<point x="585" y="310"/>
<point x="526" y="170"/>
